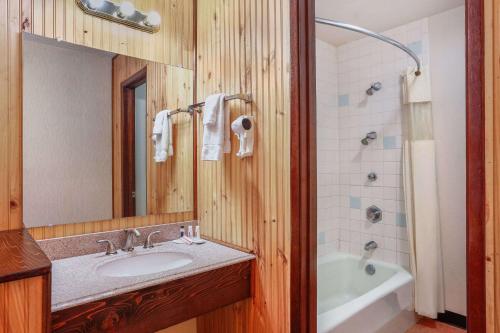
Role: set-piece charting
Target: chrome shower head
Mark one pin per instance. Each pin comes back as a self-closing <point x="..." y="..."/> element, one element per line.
<point x="374" y="87"/>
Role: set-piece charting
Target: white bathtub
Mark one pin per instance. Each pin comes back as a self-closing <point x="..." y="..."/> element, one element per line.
<point x="352" y="301"/>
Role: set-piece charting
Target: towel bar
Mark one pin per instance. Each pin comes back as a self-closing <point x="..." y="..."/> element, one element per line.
<point x="197" y="107"/>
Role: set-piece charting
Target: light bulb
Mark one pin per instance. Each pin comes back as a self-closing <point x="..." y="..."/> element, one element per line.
<point x="95" y="4"/>
<point x="126" y="9"/>
<point x="153" y="19"/>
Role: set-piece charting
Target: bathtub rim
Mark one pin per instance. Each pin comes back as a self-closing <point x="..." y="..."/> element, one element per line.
<point x="330" y="319"/>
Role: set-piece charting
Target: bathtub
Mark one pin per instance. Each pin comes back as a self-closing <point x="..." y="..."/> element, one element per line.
<point x="351" y="301"/>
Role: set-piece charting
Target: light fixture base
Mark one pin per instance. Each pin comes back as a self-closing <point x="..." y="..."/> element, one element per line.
<point x="110" y="11"/>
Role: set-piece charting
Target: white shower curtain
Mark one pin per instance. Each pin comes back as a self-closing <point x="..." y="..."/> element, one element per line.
<point x="421" y="196"/>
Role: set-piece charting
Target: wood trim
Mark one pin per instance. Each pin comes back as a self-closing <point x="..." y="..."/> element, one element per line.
<point x="47" y="302"/>
<point x="195" y="119"/>
<point x="128" y="140"/>
<point x="154" y="308"/>
<point x="21" y="257"/>
<point x="476" y="202"/>
<point x="136" y="79"/>
<point x="492" y="150"/>
<point x="303" y="168"/>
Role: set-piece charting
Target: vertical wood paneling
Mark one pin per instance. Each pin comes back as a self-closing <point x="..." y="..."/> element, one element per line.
<point x="4" y="116"/>
<point x="22" y="307"/>
<point x="169" y="184"/>
<point x="243" y="46"/>
<point x="63" y="19"/>
<point x="173" y="44"/>
<point x="21" y="301"/>
<point x="492" y="163"/>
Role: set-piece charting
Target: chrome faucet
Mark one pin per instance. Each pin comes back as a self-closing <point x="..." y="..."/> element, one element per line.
<point x="129" y="243"/>
<point x="148" y="244"/>
<point x="110" y="248"/>
<point x="371" y="245"/>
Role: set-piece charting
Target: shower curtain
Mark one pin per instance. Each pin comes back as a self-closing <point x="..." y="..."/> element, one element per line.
<point x="421" y="196"/>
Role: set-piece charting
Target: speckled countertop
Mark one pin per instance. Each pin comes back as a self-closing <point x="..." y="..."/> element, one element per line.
<point x="75" y="280"/>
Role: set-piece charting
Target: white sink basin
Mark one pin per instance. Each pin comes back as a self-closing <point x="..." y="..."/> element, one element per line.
<point x="144" y="264"/>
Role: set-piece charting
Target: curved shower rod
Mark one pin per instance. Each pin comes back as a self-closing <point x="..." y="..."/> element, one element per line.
<point x="383" y="38"/>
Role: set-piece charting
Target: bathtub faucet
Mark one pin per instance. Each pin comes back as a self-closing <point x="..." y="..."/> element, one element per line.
<point x="371" y="245"/>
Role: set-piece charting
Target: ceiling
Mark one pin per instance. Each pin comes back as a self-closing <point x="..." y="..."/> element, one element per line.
<point x="376" y="15"/>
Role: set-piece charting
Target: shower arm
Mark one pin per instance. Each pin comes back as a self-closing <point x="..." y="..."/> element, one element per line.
<point x="378" y="36"/>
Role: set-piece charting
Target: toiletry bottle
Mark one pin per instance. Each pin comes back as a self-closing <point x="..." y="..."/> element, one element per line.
<point x="190" y="231"/>
<point x="183" y="233"/>
<point x="197" y="232"/>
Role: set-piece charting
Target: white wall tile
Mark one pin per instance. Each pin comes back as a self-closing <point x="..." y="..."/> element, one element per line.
<point x="343" y="76"/>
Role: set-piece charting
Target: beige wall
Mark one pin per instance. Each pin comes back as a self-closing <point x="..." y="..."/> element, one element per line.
<point x="447" y="61"/>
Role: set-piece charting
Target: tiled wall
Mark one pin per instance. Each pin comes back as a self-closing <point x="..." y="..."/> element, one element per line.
<point x="342" y="204"/>
<point x="328" y="148"/>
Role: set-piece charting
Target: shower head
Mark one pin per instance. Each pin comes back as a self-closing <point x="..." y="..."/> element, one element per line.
<point x="374" y="87"/>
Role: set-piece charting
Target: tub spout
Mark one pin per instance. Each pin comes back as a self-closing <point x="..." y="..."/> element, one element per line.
<point x="371" y="245"/>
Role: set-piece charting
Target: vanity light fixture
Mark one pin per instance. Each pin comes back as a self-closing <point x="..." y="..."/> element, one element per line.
<point x="96" y="4"/>
<point x="126" y="9"/>
<point x="153" y="19"/>
<point x="123" y="13"/>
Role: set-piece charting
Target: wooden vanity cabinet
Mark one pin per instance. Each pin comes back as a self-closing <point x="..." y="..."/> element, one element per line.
<point x="24" y="284"/>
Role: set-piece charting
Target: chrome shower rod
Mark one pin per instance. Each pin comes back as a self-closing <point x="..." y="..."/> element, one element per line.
<point x="378" y="36"/>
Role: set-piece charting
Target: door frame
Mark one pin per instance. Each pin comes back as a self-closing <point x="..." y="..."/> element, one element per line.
<point x="476" y="166"/>
<point x="303" y="168"/>
<point x="127" y="139"/>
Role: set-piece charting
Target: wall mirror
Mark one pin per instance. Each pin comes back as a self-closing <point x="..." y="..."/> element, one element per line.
<point x="88" y="119"/>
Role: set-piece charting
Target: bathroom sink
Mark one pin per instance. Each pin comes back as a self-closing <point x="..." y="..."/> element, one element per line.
<point x="144" y="264"/>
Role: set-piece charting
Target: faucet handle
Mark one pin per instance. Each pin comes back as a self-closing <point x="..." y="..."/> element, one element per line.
<point x="110" y="248"/>
<point x="148" y="244"/>
<point x="133" y="231"/>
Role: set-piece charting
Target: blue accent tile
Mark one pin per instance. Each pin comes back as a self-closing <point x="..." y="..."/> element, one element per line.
<point x="416" y="47"/>
<point x="401" y="219"/>
<point x="355" y="202"/>
<point x="344" y="100"/>
<point x="389" y="142"/>
<point x="321" y="238"/>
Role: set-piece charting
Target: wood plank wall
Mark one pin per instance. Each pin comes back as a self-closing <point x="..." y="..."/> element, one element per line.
<point x="21" y="304"/>
<point x="169" y="184"/>
<point x="173" y="44"/>
<point x="63" y="19"/>
<point x="492" y="132"/>
<point x="243" y="46"/>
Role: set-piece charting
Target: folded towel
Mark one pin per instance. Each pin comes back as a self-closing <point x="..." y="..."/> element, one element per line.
<point x="162" y="137"/>
<point x="216" y="132"/>
<point x="211" y="109"/>
<point x="416" y="89"/>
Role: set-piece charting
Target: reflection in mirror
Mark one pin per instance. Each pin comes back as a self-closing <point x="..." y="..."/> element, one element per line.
<point x="88" y="153"/>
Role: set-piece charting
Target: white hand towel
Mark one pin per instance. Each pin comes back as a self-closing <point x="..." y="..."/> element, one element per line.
<point x="162" y="137"/>
<point x="216" y="135"/>
<point x="211" y="109"/>
<point x="416" y="89"/>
